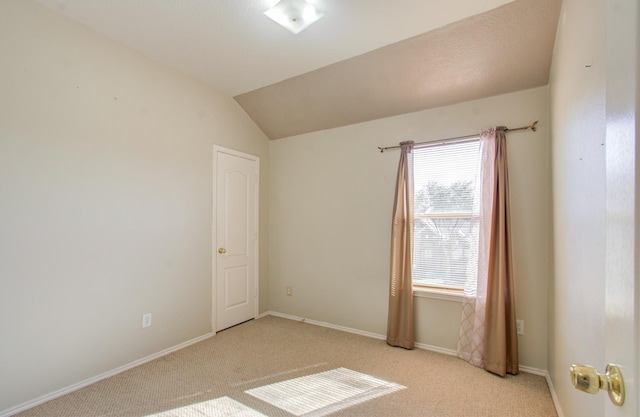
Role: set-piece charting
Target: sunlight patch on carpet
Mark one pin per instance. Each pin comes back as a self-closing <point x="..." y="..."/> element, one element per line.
<point x="220" y="407"/>
<point x="323" y="393"/>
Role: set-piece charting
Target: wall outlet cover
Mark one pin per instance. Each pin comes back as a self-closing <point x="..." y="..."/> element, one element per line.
<point x="146" y="320"/>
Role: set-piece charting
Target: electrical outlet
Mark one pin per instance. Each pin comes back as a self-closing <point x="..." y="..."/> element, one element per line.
<point x="289" y="291"/>
<point x="520" y="327"/>
<point x="146" y="320"/>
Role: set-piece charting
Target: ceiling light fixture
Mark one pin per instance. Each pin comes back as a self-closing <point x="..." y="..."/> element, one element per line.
<point x="294" y="15"/>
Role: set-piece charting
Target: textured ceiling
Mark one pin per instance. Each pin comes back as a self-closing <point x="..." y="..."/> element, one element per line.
<point x="365" y="59"/>
<point x="503" y="50"/>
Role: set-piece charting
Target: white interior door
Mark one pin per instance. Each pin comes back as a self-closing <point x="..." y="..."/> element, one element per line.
<point x="621" y="300"/>
<point x="235" y="237"/>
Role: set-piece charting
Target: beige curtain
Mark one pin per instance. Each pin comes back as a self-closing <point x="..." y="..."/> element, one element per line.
<point x="400" y="328"/>
<point x="488" y="336"/>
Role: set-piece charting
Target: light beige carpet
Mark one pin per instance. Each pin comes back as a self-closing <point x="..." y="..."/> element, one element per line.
<point x="261" y="368"/>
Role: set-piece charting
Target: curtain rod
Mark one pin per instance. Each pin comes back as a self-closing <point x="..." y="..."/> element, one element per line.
<point x="532" y="126"/>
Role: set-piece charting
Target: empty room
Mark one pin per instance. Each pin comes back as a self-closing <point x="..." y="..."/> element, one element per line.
<point x="302" y="208"/>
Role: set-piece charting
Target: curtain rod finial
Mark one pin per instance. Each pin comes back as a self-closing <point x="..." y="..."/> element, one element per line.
<point x="533" y="126"/>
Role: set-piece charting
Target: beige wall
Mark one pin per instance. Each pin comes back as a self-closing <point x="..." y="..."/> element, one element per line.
<point x="330" y="211"/>
<point x="105" y="202"/>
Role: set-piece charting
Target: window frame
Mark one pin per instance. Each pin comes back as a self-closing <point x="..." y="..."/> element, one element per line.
<point x="443" y="292"/>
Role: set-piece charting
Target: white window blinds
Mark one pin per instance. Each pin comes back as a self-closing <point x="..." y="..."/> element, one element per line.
<point x="446" y="214"/>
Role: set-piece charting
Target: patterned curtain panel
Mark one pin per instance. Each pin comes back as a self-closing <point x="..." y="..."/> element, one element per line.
<point x="488" y="336"/>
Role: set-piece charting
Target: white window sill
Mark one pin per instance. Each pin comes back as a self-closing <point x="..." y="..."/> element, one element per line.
<point x="438" y="294"/>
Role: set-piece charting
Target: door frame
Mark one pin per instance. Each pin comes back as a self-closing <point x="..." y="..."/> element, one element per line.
<point x="214" y="219"/>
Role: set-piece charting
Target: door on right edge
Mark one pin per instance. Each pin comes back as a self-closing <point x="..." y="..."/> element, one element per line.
<point x="621" y="288"/>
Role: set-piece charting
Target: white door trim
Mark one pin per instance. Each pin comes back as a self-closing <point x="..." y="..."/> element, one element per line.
<point x="219" y="149"/>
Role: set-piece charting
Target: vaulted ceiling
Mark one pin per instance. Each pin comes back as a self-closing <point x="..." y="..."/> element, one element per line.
<point x="366" y="59"/>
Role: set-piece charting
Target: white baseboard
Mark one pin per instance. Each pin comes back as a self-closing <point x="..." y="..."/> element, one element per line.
<point x="323" y="324"/>
<point x="534" y="371"/>
<point x="355" y="331"/>
<point x="436" y="349"/>
<point x="554" y="396"/>
<point x="53" y="395"/>
<point x="527" y="369"/>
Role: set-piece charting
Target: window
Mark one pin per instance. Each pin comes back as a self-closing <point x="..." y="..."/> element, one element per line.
<point x="446" y="214"/>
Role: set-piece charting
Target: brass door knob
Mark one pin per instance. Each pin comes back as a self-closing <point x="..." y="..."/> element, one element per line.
<point x="586" y="378"/>
<point x="222" y="250"/>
